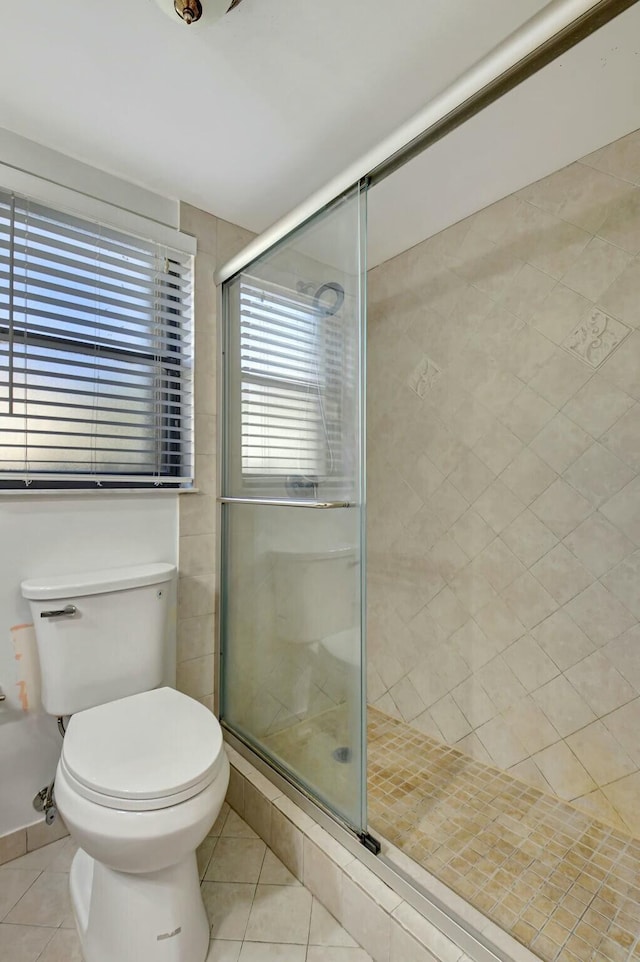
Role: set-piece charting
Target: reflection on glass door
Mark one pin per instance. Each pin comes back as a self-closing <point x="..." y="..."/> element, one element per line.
<point x="292" y="627"/>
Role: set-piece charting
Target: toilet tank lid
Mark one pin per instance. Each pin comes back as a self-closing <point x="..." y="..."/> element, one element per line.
<point x="49" y="587"/>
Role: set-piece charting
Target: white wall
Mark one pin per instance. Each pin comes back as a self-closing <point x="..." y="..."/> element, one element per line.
<point x="25" y="155"/>
<point x="41" y="535"/>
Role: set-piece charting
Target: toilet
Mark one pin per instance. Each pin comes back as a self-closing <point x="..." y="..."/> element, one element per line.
<point x="143" y="772"/>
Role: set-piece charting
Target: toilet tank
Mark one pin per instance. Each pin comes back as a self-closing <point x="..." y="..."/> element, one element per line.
<point x="100" y="634"/>
<point x="316" y="592"/>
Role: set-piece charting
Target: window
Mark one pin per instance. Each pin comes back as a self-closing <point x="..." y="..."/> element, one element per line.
<point x="95" y="353"/>
<point x="292" y="357"/>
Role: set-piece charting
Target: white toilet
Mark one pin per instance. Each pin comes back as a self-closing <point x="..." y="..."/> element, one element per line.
<point x="143" y="771"/>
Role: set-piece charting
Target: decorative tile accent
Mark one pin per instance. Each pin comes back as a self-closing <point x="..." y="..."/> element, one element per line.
<point x="595" y="338"/>
<point x="424" y="376"/>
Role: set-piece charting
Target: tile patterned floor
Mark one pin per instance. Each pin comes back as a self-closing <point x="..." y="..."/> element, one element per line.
<point x="259" y="912"/>
<point x="564" y="884"/>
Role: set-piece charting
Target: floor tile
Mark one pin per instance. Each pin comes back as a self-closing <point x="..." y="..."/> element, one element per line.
<point x="228" y="905"/>
<point x="13" y="885"/>
<point x="325" y="930"/>
<point x="236" y="860"/>
<point x="274" y="872"/>
<point x="46" y="902"/>
<point x="236" y="827"/>
<point x="218" y="825"/>
<point x="64" y="856"/>
<point x="280" y="913"/>
<point x="221" y="950"/>
<point x="23" y="943"/>
<point x="248" y="924"/>
<point x="516" y="852"/>
<point x="272" y="952"/>
<point x="324" y="953"/>
<point x="63" y="947"/>
<point x="204" y="853"/>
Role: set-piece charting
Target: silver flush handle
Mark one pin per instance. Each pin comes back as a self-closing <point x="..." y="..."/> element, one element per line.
<point x="67" y="611"/>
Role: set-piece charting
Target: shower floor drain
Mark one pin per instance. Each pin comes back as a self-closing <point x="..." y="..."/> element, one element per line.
<point x="342" y="754"/>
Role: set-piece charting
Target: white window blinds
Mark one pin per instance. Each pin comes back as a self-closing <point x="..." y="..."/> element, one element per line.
<point x="293" y="361"/>
<point x="95" y="353"/>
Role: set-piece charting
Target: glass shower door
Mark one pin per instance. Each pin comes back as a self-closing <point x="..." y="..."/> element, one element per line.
<point x="292" y="625"/>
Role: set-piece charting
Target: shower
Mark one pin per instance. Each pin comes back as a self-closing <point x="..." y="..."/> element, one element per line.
<point x="492" y="752"/>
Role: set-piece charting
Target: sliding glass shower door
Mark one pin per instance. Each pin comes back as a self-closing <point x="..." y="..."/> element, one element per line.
<point x="292" y="625"/>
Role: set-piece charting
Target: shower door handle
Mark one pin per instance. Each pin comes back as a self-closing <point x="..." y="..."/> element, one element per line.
<point x="279" y="503"/>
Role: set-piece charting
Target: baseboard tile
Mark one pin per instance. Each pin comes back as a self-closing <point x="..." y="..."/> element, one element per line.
<point x="23" y="840"/>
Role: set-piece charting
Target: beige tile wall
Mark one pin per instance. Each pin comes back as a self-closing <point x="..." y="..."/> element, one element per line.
<point x="503" y="484"/>
<point x="218" y="241"/>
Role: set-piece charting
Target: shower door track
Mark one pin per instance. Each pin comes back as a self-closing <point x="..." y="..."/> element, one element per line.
<point x="542" y="39"/>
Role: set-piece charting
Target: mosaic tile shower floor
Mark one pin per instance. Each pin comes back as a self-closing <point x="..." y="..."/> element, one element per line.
<point x="564" y="884"/>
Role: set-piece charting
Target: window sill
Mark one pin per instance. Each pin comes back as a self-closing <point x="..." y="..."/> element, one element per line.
<point x="46" y="494"/>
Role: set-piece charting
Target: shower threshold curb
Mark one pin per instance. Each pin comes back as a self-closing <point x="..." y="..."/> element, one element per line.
<point x="392" y="907"/>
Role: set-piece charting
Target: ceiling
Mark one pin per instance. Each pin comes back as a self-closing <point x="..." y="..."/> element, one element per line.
<point x="587" y="98"/>
<point x="248" y="117"/>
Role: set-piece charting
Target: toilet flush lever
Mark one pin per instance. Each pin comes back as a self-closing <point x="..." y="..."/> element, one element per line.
<point x="67" y="611"/>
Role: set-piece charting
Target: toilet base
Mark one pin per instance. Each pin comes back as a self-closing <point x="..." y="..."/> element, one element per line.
<point x="156" y="917"/>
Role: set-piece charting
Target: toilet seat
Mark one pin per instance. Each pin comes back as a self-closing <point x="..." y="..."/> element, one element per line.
<point x="134" y="804"/>
<point x="144" y="752"/>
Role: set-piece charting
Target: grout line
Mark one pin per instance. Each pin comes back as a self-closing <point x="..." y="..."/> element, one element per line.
<point x="2" y="920"/>
<point x="44" y="948"/>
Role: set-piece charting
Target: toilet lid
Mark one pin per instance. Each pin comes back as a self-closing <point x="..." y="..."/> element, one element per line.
<point x="144" y="748"/>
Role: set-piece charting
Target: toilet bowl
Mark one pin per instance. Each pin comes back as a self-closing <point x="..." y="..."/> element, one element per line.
<point x="139" y="783"/>
<point x="345" y="647"/>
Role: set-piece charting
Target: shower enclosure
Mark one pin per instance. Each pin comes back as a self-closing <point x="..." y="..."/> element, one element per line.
<point x="503" y="534"/>
<point x="503" y="537"/>
<point x="292" y="625"/>
<point x="498" y="752"/>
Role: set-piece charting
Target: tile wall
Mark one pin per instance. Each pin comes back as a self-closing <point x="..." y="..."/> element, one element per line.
<point x="218" y="241"/>
<point x="504" y="486"/>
